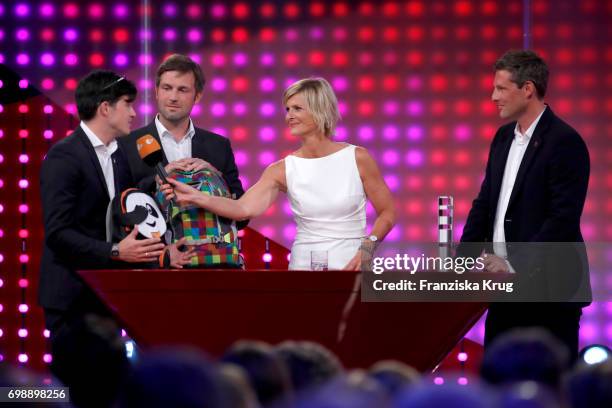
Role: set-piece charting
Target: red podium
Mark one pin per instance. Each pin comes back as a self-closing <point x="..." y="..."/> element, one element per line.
<point x="211" y="309"/>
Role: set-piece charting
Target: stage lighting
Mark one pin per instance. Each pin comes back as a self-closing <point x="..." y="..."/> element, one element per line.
<point x="595" y="353"/>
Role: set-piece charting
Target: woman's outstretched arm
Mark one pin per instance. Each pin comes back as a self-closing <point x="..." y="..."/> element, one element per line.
<point x="254" y="202"/>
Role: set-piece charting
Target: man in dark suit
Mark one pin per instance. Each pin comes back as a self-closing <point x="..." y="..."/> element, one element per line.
<point x="78" y="178"/>
<point x="534" y="191"/>
<point x="178" y="87"/>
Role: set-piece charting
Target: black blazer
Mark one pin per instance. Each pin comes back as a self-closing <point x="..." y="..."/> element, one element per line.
<point x="74" y="202"/>
<point x="550" y="188"/>
<point x="545" y="205"/>
<point x="214" y="148"/>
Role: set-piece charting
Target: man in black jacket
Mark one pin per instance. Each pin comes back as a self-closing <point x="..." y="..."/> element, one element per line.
<point x="534" y="191"/>
<point x="78" y="178"/>
<point x="179" y="84"/>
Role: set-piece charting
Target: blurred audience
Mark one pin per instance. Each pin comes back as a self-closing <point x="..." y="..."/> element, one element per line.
<point x="310" y="364"/>
<point x="394" y="375"/>
<point x="267" y="372"/>
<point x="590" y="386"/>
<point x="525" y="355"/>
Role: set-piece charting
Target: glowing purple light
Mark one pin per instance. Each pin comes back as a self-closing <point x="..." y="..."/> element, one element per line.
<point x="1" y="108"/>
<point x="291" y="34"/>
<point x="46" y="333"/>
<point x="47" y="358"/>
<point x="196" y="58"/>
<point x="266" y="59"/>
<point x="392" y="181"/>
<point x="240" y="108"/>
<point x="390" y="133"/>
<point x="48" y="109"/>
<point x="462" y="356"/>
<point x="414" y="108"/>
<point x="23" y="283"/>
<point x="289" y="232"/>
<point x="1" y="256"/>
<point x="1" y="284"/>
<point x="22" y="10"/>
<point x="23" y="308"/>
<point x="1" y="9"/>
<point x="415" y="133"/>
<point x="24" y="258"/>
<point x="121" y="60"/>
<point x="22" y="34"/>
<point x="23" y="183"/>
<point x="316" y="33"/>
<point x="341" y="134"/>
<point x="1" y="34"/>
<point x="390" y="158"/>
<point x="240" y="59"/>
<point x="267" y="84"/>
<point x="391" y="108"/>
<point x="1" y="83"/>
<point x="170" y="10"/>
<point x="218" y="84"/>
<point x="1" y="333"/>
<point x="23" y="208"/>
<point x="267" y="257"/>
<point x="196" y="110"/>
<point x="71" y="59"/>
<point x="145" y="109"/>
<point x="218" y="11"/>
<point x="588" y="332"/>
<point x="23" y="59"/>
<point x="194" y="35"/>
<point x="462" y="381"/>
<point x="414" y="158"/>
<point x="70" y="34"/>
<point x="1" y="185"/>
<point x="266" y="158"/>
<point x="121" y="10"/>
<point x="145" y="84"/>
<point x="365" y="133"/>
<point x="145" y="59"/>
<point x="47" y="10"/>
<point x="267" y="134"/>
<point x="1" y="158"/>
<point x="463" y="132"/>
<point x="414" y="83"/>
<point x="217" y="109"/>
<point x="343" y="108"/>
<point x="23" y="358"/>
<point x="48" y="134"/>
<point x="1" y="58"/>
<point x="438" y="380"/>
<point x="340" y="84"/>
<point x="169" y="34"/>
<point x="267" y="109"/>
<point x="47" y="59"/>
<point x="146" y="35"/>
<point x="241" y="157"/>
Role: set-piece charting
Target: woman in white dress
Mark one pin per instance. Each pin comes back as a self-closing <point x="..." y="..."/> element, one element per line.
<point x="327" y="184"/>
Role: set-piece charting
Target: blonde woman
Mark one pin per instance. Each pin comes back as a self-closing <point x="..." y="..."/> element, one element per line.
<point x="327" y="182"/>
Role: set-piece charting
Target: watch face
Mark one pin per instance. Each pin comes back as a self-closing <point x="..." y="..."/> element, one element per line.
<point x="154" y="224"/>
<point x="373" y="238"/>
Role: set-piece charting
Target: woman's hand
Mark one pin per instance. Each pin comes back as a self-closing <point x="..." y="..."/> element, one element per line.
<point x="355" y="263"/>
<point x="180" y="192"/>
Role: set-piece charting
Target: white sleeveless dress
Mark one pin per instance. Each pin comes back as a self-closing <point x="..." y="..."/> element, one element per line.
<point x="328" y="204"/>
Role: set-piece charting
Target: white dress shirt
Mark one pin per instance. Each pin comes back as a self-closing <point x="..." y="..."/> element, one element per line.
<point x="175" y="150"/>
<point x="515" y="157"/>
<point x="104" y="153"/>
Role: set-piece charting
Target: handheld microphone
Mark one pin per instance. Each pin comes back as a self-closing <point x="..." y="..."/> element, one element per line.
<point x="151" y="153"/>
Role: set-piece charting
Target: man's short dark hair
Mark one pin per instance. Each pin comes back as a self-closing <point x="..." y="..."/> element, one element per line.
<point x="101" y="86"/>
<point x="183" y="64"/>
<point x="525" y="65"/>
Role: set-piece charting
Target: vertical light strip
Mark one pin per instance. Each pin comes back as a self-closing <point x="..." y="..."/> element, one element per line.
<point x="145" y="47"/>
<point x="526" y="24"/>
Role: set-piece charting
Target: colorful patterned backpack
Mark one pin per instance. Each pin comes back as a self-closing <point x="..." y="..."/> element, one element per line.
<point x="215" y="238"/>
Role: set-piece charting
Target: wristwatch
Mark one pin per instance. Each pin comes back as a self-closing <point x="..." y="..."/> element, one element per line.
<point x="369" y="244"/>
<point x="373" y="238"/>
<point x="115" y="251"/>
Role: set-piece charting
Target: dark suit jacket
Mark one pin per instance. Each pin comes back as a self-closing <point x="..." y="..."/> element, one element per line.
<point x="549" y="192"/>
<point x="74" y="202"/>
<point x="215" y="149"/>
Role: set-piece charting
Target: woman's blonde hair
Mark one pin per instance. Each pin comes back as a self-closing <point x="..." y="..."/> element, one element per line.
<point x="320" y="100"/>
